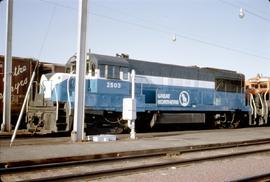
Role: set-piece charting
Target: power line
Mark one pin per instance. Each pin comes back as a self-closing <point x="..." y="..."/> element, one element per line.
<point x="258" y="16"/>
<point x="223" y="47"/>
<point x="58" y="4"/>
<point x="246" y="10"/>
<point x="184" y="36"/>
<point x="168" y="32"/>
<point x="47" y="31"/>
<point x="120" y="11"/>
<point x="251" y="7"/>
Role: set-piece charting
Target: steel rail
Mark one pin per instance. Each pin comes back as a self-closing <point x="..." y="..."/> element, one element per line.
<point x="260" y="177"/>
<point x="110" y="172"/>
<point x="77" y="160"/>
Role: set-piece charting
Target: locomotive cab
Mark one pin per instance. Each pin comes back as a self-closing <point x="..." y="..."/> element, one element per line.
<point x="107" y="82"/>
<point x="101" y="66"/>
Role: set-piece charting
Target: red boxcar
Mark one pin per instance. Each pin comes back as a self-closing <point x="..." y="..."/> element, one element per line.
<point x="22" y="70"/>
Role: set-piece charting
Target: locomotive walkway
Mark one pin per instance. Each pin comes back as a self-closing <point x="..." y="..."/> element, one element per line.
<point x="49" y="149"/>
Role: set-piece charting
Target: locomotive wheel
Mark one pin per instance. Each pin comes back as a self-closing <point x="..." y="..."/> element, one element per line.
<point x="117" y="130"/>
<point x="143" y="122"/>
<point x="228" y="120"/>
<point x="222" y="122"/>
<point x="235" y="124"/>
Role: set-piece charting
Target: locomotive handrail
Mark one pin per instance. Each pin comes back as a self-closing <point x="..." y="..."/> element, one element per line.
<point x="68" y="95"/>
<point x="57" y="104"/>
<point x="253" y="108"/>
<point x="266" y="105"/>
<point x="42" y="86"/>
<point x="260" y="98"/>
<point x="266" y="109"/>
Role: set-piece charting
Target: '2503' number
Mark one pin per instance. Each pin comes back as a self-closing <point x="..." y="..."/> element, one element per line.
<point x="113" y="85"/>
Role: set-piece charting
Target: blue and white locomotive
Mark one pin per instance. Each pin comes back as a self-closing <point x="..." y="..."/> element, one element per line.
<point x="164" y="94"/>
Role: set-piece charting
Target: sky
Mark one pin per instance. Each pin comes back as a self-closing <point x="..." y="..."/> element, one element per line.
<point x="209" y="33"/>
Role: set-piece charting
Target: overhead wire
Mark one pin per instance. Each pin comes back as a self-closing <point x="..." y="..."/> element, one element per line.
<point x="181" y="35"/>
<point x="58" y="4"/>
<point x="47" y="31"/>
<point x="251" y="7"/>
<point x="246" y="10"/>
<point x="120" y="11"/>
<point x="186" y="37"/>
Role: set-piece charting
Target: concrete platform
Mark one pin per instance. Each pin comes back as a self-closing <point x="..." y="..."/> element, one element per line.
<point x="49" y="148"/>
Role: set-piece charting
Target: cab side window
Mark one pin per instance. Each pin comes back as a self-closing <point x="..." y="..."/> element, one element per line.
<point x="116" y="72"/>
<point x="226" y="85"/>
<point x="113" y="72"/>
<point x="124" y="72"/>
<point x="102" y="71"/>
<point x="110" y="70"/>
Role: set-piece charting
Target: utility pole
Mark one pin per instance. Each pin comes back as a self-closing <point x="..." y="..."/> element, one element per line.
<point x="78" y="126"/>
<point x="6" y="124"/>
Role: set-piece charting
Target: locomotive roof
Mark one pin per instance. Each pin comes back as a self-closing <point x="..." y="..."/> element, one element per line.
<point x="99" y="59"/>
<point x="224" y="74"/>
<point x="186" y="72"/>
<point x="160" y="69"/>
<point x="165" y="70"/>
<point x="169" y="70"/>
<point x="109" y="60"/>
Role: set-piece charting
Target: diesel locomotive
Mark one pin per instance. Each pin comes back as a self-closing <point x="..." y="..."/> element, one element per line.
<point x="164" y="93"/>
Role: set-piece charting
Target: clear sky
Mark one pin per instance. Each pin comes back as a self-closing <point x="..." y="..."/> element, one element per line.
<point x="209" y="33"/>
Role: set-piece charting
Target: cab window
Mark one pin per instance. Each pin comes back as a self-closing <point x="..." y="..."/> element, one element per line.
<point x="113" y="72"/>
<point x="102" y="71"/>
<point x="110" y="72"/>
<point x="124" y="72"/>
<point x="116" y="72"/>
<point x="226" y="85"/>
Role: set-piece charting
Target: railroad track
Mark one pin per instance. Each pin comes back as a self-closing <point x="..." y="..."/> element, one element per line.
<point x="24" y="138"/>
<point x="28" y="135"/>
<point x="261" y="177"/>
<point x="130" y="162"/>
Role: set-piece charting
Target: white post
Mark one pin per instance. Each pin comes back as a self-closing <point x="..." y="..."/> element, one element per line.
<point x="132" y="122"/>
<point x="6" y="124"/>
<point x="78" y="126"/>
<point x="129" y="108"/>
<point x="133" y="84"/>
